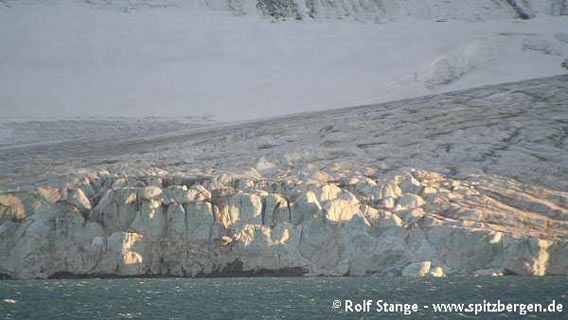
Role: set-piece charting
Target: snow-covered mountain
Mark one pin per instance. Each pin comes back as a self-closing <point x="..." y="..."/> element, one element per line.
<point x="243" y="59"/>
<point x="377" y="10"/>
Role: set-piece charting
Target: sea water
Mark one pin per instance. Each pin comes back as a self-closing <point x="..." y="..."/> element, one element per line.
<point x="278" y="298"/>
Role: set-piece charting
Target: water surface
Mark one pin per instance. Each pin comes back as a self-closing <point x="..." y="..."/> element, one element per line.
<point x="266" y="298"/>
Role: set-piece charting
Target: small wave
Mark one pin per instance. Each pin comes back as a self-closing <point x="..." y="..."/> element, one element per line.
<point x="129" y="315"/>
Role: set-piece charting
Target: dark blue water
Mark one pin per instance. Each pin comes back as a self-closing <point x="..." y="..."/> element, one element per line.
<point x="269" y="298"/>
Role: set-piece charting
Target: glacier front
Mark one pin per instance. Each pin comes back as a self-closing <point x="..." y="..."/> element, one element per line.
<point x="464" y="183"/>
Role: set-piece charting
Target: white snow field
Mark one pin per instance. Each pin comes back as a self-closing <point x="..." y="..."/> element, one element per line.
<point x="234" y="61"/>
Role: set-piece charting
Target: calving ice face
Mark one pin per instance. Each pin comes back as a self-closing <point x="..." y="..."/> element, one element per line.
<point x="379" y="306"/>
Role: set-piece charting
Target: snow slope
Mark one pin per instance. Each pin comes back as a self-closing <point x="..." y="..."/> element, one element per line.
<point x="195" y="58"/>
<point x="515" y="130"/>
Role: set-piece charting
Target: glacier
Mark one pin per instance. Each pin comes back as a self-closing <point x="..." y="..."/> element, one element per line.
<point x="203" y="138"/>
<point x="463" y="183"/>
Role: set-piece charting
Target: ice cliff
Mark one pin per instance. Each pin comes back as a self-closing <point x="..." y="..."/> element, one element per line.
<point x="174" y="225"/>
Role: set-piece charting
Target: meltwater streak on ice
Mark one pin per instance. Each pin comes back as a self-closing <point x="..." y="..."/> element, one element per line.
<point x="263" y="298"/>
